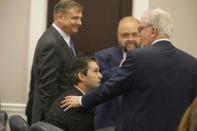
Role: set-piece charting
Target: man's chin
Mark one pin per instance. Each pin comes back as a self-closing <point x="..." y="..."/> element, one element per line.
<point x="74" y="31"/>
<point x="98" y="84"/>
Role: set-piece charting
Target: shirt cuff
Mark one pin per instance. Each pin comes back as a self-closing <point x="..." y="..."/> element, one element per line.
<point x="80" y="102"/>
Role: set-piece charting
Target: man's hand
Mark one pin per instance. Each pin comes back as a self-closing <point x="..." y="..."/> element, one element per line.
<point x="70" y="102"/>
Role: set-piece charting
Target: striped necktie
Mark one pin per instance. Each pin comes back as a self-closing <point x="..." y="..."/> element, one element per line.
<point x="72" y="48"/>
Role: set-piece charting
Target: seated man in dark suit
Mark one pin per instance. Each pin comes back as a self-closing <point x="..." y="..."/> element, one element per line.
<point x="84" y="77"/>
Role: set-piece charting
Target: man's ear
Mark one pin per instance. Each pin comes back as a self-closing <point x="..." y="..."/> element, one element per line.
<point x="59" y="17"/>
<point x="81" y="76"/>
<point x="154" y="32"/>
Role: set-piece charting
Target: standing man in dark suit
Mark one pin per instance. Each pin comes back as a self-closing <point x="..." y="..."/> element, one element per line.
<point x="158" y="82"/>
<point x="53" y="55"/>
<point x="84" y="77"/>
<point x="107" y="115"/>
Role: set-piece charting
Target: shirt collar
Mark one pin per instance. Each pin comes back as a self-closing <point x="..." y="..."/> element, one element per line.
<point x="124" y="54"/>
<point x="79" y="89"/>
<point x="160" y="40"/>
<point x="64" y="35"/>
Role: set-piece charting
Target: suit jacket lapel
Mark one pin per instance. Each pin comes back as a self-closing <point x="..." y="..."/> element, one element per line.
<point x="62" y="42"/>
<point x="117" y="56"/>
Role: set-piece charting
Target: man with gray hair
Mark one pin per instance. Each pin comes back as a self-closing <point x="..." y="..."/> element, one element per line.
<point x="157" y="82"/>
<point x="53" y="55"/>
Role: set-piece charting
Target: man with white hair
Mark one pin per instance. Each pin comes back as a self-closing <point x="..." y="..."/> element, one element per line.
<point x="157" y="82"/>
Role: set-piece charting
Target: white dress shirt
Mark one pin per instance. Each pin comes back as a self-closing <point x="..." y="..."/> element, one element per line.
<point x="64" y="35"/>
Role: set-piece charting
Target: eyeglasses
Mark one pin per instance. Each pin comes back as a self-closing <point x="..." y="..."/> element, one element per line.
<point x="142" y="28"/>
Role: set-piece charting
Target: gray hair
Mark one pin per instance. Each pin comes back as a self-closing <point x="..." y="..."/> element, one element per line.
<point x="64" y="5"/>
<point x="161" y="20"/>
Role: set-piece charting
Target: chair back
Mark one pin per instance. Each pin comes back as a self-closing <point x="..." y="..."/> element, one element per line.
<point x="3" y="120"/>
<point x="17" y="123"/>
<point x="44" y="126"/>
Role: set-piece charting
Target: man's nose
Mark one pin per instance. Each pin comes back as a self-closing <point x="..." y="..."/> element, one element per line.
<point x="100" y="75"/>
<point x="79" y="22"/>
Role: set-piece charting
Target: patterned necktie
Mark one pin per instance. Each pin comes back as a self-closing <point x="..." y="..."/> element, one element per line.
<point x="72" y="48"/>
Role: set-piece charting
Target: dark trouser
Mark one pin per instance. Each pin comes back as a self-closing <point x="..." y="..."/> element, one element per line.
<point x="105" y="129"/>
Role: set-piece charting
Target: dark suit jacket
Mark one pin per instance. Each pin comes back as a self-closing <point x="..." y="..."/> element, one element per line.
<point x="108" y="113"/>
<point x="157" y="83"/>
<point x="75" y="119"/>
<point x="51" y="63"/>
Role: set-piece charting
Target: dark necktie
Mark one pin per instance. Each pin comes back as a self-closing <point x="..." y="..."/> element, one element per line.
<point x="72" y="48"/>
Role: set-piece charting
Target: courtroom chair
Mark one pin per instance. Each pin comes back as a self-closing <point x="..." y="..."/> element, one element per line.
<point x="44" y="126"/>
<point x="3" y="120"/>
<point x="17" y="123"/>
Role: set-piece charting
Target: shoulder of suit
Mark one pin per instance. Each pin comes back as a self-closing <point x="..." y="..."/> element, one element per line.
<point x="72" y="90"/>
<point x="50" y="38"/>
<point x="51" y="34"/>
<point x="107" y="51"/>
<point x="144" y="50"/>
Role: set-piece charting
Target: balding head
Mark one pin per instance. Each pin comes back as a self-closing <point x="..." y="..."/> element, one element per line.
<point x="128" y="33"/>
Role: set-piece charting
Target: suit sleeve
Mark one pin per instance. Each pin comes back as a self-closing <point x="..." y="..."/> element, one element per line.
<point x="194" y="83"/>
<point x="48" y="75"/>
<point x="105" y="70"/>
<point x="118" y="84"/>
